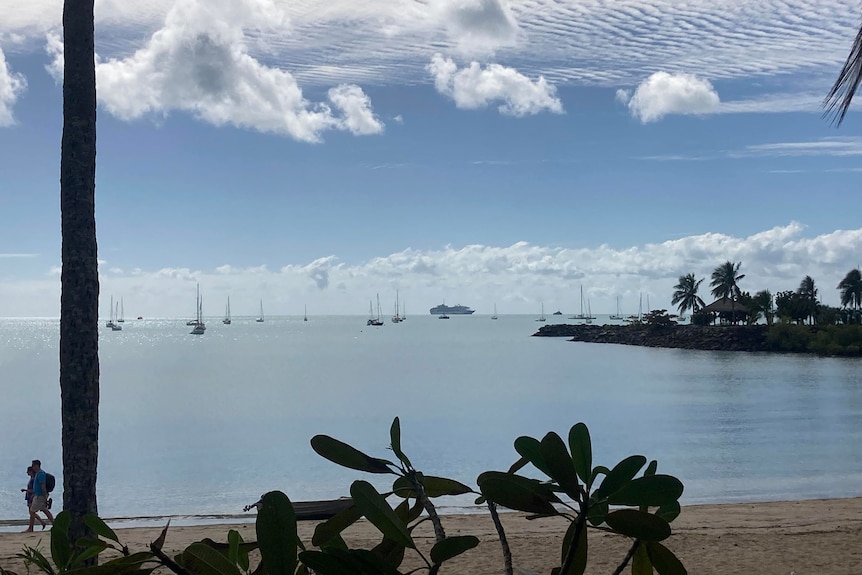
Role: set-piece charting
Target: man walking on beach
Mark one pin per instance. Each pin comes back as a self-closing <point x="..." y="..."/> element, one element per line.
<point x="40" y="496"/>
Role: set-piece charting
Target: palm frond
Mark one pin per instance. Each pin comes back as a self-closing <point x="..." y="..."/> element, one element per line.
<point x="839" y="98"/>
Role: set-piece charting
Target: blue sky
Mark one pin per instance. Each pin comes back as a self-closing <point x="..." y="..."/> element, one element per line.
<point x="317" y="153"/>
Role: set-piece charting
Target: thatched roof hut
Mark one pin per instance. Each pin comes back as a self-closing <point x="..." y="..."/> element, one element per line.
<point x="725" y="304"/>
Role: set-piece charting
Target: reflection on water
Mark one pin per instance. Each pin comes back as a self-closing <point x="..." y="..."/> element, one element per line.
<point x="196" y="425"/>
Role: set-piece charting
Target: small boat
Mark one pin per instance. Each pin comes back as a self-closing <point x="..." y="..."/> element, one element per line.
<point x="110" y="322"/>
<point x="115" y="326"/>
<point x="542" y="317"/>
<point x="495" y="312"/>
<point x="558" y="312"/>
<point x="260" y="317"/>
<point x="226" y="319"/>
<point x="396" y="318"/>
<point x="121" y="317"/>
<point x="444" y="316"/>
<point x="372" y="319"/>
<point x="199" y="326"/>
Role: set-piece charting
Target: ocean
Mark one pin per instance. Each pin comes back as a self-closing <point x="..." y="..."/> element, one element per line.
<point x="200" y="426"/>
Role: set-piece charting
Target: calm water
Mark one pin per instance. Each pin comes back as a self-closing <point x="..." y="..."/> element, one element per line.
<point x="204" y="425"/>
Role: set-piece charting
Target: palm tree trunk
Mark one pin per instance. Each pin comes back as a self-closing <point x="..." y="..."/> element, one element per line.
<point x="79" y="299"/>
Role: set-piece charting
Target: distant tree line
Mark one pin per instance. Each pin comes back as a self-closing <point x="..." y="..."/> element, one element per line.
<point x="801" y="306"/>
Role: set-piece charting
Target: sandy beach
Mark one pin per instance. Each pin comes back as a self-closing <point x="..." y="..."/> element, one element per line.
<point x="822" y="537"/>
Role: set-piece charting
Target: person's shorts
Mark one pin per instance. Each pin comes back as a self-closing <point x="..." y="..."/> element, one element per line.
<point x="39" y="503"/>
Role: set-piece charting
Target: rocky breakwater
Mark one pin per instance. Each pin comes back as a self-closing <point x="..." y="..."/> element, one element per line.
<point x="713" y="338"/>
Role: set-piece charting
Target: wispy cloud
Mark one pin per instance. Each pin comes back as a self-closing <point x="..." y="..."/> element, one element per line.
<point x="836" y="147"/>
<point x="17" y="256"/>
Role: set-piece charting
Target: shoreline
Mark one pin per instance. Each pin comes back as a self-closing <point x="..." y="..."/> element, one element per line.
<point x="771" y="538"/>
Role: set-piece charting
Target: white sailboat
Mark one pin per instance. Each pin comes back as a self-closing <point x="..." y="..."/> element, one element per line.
<point x="542" y="317"/>
<point x="617" y="315"/>
<point x="495" y="312"/>
<point x="397" y="317"/>
<point x="260" y="317"/>
<point x="305" y="313"/>
<point x="121" y="317"/>
<point x="226" y="319"/>
<point x="199" y="327"/>
<point x="372" y="319"/>
<point x="582" y="315"/>
<point x="115" y="326"/>
<point x="110" y="322"/>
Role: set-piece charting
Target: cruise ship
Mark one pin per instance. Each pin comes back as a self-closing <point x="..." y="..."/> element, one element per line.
<point x="444" y="309"/>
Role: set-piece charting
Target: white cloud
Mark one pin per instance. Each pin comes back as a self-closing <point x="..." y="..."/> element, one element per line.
<point x="663" y="93"/>
<point x="474" y="87"/>
<point x="199" y="62"/>
<point x="478" y="26"/>
<point x="518" y="277"/>
<point x="12" y="85"/>
<point x="839" y="147"/>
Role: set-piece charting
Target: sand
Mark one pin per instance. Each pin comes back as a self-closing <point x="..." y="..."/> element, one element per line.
<point x="818" y="537"/>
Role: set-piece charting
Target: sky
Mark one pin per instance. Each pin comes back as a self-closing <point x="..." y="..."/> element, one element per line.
<point x="317" y="153"/>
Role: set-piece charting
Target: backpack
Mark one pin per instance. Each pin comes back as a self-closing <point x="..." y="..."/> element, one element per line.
<point x="50" y="482"/>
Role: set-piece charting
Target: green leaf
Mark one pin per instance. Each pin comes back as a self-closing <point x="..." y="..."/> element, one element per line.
<point x="599" y="470"/>
<point x="582" y="452"/>
<point x="160" y="540"/>
<point x="637" y="524"/>
<point x="641" y="564"/>
<point x="531" y="449"/>
<point x="236" y="554"/>
<point x="276" y="533"/>
<point x="91" y="549"/>
<point x="519" y="465"/>
<point x="664" y="561"/>
<point x="669" y="512"/>
<point x="395" y="438"/>
<point x="99" y="527"/>
<point x="597" y="512"/>
<point x="651" y="468"/>
<point x="324" y="563"/>
<point x="201" y="559"/>
<point x="390" y="552"/>
<point x="579" y="562"/>
<point x="374" y="507"/>
<point x="61" y="548"/>
<point x="621" y="474"/>
<point x="516" y="492"/>
<point x="651" y="490"/>
<point x="559" y="463"/>
<point x="373" y="563"/>
<point x="434" y="487"/>
<point x="347" y="456"/>
<point x="452" y="547"/>
<point x="335" y="525"/>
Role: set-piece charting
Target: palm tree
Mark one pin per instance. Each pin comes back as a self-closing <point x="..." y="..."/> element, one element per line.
<point x="851" y="289"/>
<point x="724" y="280"/>
<point x="839" y="98"/>
<point x="685" y="294"/>
<point x="724" y="283"/>
<point x="79" y="298"/>
<point x="762" y="303"/>
<point x="808" y="291"/>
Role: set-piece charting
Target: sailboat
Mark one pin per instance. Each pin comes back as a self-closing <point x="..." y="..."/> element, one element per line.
<point x="639" y="316"/>
<point x="582" y="315"/>
<point x="305" y="314"/>
<point x="114" y="325"/>
<point x="226" y="319"/>
<point x="396" y="318"/>
<point x="199" y="327"/>
<point x="617" y="315"/>
<point x="110" y="322"/>
<point x="495" y="312"/>
<point x="121" y="317"/>
<point x="589" y="313"/>
<point x="372" y="319"/>
<point x="260" y="317"/>
<point x="542" y="317"/>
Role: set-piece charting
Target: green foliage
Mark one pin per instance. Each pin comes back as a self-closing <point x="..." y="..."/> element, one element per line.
<point x="701" y="318"/>
<point x="658" y="318"/>
<point x="639" y="507"/>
